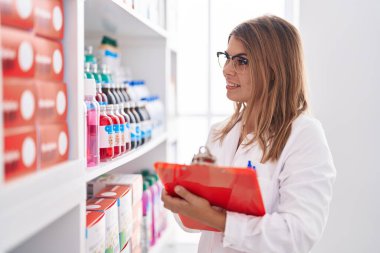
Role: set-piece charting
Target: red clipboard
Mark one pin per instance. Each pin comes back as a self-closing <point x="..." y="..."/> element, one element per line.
<point x="234" y="189"/>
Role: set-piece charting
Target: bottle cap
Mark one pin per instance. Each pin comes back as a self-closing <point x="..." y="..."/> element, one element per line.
<point x="145" y="172"/>
<point x="145" y="185"/>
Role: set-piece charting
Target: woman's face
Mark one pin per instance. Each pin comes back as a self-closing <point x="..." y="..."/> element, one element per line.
<point x="238" y="85"/>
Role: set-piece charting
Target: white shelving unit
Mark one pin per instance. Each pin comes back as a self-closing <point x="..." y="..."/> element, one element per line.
<point x="45" y="211"/>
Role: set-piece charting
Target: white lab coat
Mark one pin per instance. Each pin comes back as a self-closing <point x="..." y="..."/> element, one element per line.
<point x="296" y="189"/>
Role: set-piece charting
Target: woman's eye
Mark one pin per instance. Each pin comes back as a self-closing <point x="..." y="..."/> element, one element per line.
<point x="242" y="61"/>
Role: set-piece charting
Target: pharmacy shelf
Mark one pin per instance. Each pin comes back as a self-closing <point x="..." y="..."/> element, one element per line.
<point x="29" y="204"/>
<point x="103" y="168"/>
<point x="114" y="17"/>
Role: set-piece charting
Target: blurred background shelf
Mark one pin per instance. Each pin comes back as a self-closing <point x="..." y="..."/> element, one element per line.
<point x="114" y="17"/>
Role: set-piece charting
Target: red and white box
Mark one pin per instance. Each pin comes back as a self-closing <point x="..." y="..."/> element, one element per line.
<point x="49" y="19"/>
<point x="51" y="102"/>
<point x="132" y="180"/>
<point x="48" y="60"/>
<point x="53" y="144"/>
<point x="20" y="152"/>
<point x="17" y="13"/>
<point x="19" y="102"/>
<point x="95" y="232"/>
<point x="17" y="53"/>
<point x="137" y="215"/>
<point x="123" y="195"/>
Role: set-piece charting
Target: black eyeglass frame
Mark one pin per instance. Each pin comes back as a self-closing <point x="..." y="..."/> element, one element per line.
<point x="241" y="59"/>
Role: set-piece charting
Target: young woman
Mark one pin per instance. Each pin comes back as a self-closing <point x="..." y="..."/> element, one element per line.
<point x="264" y="71"/>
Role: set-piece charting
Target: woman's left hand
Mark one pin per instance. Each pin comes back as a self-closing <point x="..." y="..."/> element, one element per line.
<point x="194" y="207"/>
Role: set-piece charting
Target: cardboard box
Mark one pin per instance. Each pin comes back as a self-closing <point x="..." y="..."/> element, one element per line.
<point x="19" y="102"/>
<point x="17" y="13"/>
<point x="109" y="208"/>
<point x="17" y="53"/>
<point x="20" y="152"/>
<point x="137" y="215"/>
<point x="132" y="180"/>
<point x="51" y="102"/>
<point x="49" y="60"/>
<point x="95" y="232"/>
<point x="136" y="239"/>
<point x="53" y="144"/>
<point x="49" y="19"/>
<point x="123" y="196"/>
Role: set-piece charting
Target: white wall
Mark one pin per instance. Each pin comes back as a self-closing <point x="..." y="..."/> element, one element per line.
<point x="342" y="50"/>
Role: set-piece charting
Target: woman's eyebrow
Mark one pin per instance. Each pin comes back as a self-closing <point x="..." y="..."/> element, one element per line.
<point x="240" y="54"/>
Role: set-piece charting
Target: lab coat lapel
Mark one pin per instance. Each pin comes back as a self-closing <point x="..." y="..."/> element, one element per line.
<point x="229" y="145"/>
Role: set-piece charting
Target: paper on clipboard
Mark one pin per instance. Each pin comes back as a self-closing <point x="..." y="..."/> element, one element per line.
<point x="234" y="189"/>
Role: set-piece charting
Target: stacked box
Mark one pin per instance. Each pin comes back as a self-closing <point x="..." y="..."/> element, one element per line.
<point x="95" y="232"/>
<point x="123" y="196"/>
<point x="34" y="93"/>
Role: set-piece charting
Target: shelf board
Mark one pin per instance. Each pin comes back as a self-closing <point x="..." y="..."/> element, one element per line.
<point x="103" y="168"/>
<point x="32" y="202"/>
<point x="115" y="18"/>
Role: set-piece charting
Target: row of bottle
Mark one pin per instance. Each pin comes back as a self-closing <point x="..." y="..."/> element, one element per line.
<point x="107" y="91"/>
<point x="113" y="129"/>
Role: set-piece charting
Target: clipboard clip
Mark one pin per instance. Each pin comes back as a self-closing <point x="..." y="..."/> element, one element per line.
<point x="204" y="156"/>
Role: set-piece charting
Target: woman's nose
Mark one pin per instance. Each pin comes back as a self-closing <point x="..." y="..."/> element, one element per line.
<point x="228" y="68"/>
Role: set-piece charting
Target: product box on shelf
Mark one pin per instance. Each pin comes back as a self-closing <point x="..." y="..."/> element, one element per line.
<point x="17" y="13"/>
<point x="48" y="60"/>
<point x="95" y="232"/>
<point x="17" y="53"/>
<point x="132" y="180"/>
<point x="109" y="208"/>
<point x="53" y="144"/>
<point x="123" y="196"/>
<point x="49" y="19"/>
<point x="136" y="249"/>
<point x="19" y="102"/>
<point x="51" y="101"/>
<point x="137" y="226"/>
<point x="137" y="215"/>
<point x="20" y="152"/>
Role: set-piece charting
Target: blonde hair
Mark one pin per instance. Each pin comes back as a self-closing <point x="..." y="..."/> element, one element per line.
<point x="276" y="68"/>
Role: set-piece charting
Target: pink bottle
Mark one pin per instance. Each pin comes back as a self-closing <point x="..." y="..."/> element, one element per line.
<point x="147" y="217"/>
<point x="154" y="200"/>
<point x="92" y="122"/>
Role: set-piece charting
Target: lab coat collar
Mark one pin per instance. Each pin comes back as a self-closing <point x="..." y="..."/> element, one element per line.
<point x="231" y="142"/>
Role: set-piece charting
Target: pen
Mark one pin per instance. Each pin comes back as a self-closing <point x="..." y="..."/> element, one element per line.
<point x="250" y="166"/>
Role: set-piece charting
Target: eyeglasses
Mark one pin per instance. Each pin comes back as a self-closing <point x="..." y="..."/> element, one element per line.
<point x="239" y="62"/>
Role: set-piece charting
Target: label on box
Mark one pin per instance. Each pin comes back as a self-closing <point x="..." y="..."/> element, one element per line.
<point x="109" y="207"/>
<point x="17" y="13"/>
<point x="19" y="102"/>
<point x="20" y="152"/>
<point x="53" y="146"/>
<point x="133" y="180"/>
<point x="49" y="18"/>
<point x="95" y="232"/>
<point x="51" y="102"/>
<point x="48" y="60"/>
<point x="123" y="195"/>
<point x="18" y="53"/>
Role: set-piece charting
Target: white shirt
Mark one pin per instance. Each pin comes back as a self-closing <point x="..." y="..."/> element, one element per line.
<point x="296" y="190"/>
